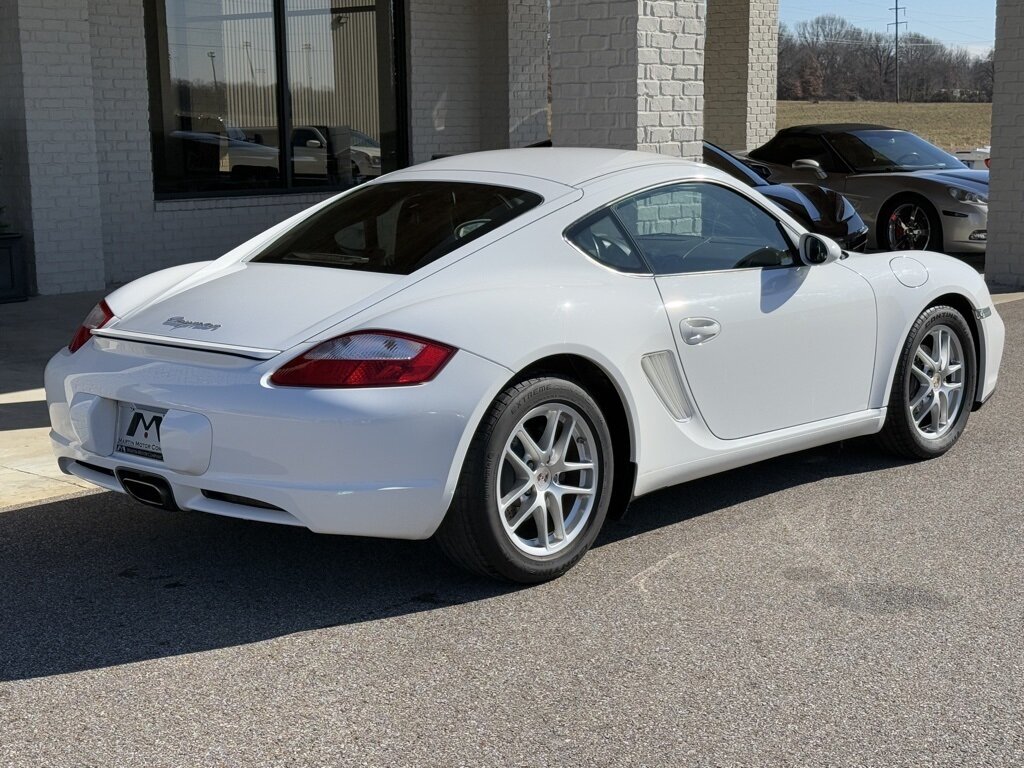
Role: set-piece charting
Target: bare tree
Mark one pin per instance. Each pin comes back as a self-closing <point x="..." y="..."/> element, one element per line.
<point x="828" y="57"/>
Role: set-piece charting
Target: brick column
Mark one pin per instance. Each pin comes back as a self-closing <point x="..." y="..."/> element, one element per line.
<point x="741" y="72"/>
<point x="478" y="75"/>
<point x="1004" y="260"/>
<point x="52" y="158"/>
<point x="527" y="72"/>
<point x="628" y="74"/>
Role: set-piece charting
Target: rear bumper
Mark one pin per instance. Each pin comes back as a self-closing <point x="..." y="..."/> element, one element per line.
<point x="372" y="462"/>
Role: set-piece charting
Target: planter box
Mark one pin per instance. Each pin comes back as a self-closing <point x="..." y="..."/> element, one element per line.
<point x="13" y="269"/>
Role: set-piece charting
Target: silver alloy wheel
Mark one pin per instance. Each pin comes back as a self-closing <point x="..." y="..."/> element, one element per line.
<point x="938" y="370"/>
<point x="548" y="479"/>
<point x="909" y="228"/>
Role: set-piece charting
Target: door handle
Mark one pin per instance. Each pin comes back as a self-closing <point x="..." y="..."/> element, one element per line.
<point x="697" y="330"/>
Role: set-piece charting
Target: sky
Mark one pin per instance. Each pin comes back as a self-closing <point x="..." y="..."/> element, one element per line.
<point x="969" y="25"/>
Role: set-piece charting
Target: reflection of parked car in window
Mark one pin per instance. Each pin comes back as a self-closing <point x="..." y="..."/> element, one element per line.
<point x="819" y="209"/>
<point x="365" y="153"/>
<point x="336" y="153"/>
<point x="912" y="194"/>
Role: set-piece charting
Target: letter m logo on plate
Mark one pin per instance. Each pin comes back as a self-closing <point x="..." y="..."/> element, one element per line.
<point x="139" y="420"/>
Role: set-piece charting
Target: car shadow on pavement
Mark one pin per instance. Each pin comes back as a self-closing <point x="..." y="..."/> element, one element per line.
<point x="24" y="415"/>
<point x="727" y="489"/>
<point x="96" y="581"/>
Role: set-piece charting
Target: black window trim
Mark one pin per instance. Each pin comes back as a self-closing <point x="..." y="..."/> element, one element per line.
<point x="784" y="230"/>
<point x="394" y="53"/>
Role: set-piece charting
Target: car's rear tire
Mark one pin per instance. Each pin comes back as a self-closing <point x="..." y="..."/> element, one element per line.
<point x="933" y="388"/>
<point x="909" y="222"/>
<point x="511" y="517"/>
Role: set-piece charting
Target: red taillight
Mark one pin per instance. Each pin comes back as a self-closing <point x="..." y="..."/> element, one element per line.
<point x="366" y="359"/>
<point x="97" y="318"/>
<point x="988" y="162"/>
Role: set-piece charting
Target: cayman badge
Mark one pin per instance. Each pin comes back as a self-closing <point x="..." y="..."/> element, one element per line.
<point x="180" y="322"/>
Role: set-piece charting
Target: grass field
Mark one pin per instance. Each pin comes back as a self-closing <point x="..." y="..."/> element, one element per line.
<point x="950" y="126"/>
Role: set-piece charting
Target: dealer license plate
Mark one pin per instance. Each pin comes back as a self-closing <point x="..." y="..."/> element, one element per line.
<point x="138" y="431"/>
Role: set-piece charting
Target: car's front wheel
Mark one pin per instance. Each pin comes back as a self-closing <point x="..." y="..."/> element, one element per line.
<point x="933" y="388"/>
<point x="536" y="484"/>
<point x="910" y="223"/>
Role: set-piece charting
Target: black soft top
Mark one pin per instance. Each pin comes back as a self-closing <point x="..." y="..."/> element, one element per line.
<point x="821" y="130"/>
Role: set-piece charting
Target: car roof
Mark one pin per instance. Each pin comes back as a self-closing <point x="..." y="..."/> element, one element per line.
<point x="821" y="129"/>
<point x="571" y="166"/>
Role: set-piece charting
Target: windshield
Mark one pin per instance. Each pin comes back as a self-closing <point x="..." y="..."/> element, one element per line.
<point x="398" y="227"/>
<point x="360" y="139"/>
<point x="886" y="151"/>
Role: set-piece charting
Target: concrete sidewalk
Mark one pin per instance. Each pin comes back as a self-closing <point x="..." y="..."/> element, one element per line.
<point x="30" y="333"/>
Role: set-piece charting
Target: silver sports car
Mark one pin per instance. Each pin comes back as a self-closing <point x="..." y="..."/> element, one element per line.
<point x="910" y="193"/>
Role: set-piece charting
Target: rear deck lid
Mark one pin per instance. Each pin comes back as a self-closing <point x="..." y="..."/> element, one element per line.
<point x="254" y="309"/>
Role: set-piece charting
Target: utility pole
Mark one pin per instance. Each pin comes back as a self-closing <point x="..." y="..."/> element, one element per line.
<point x="247" y="45"/>
<point x="896" y="24"/>
<point x="213" y="66"/>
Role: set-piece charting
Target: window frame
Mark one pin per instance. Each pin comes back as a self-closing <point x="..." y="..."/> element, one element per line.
<point x="790" y="235"/>
<point x="392" y="48"/>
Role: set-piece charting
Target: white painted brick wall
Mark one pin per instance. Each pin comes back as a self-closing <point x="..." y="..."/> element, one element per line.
<point x="670" y="104"/>
<point x="741" y="53"/>
<point x="527" y="72"/>
<point x="60" y="144"/>
<point x="1004" y="259"/>
<point x="477" y="75"/>
<point x="445" y="58"/>
<point x="628" y="74"/>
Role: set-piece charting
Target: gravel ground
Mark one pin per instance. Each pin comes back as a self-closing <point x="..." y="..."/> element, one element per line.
<point x="834" y="607"/>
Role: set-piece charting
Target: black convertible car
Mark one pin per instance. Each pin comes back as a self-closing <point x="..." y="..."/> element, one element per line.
<point x="819" y="209"/>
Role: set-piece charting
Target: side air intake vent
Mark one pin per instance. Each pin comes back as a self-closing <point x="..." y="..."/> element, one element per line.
<point x="663" y="373"/>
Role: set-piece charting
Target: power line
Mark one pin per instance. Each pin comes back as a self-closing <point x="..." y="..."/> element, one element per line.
<point x="897" y="24"/>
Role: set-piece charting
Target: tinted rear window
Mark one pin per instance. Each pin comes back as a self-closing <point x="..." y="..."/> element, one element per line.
<point x="398" y="227"/>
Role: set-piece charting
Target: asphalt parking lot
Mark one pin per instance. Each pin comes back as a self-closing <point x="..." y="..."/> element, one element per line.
<point x="833" y="607"/>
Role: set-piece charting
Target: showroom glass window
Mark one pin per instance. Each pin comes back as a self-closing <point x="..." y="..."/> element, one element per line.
<point x="258" y="96"/>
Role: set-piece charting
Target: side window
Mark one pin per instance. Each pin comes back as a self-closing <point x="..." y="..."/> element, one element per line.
<point x="301" y="135"/>
<point x="793" y="148"/>
<point x="701" y="227"/>
<point x="600" y="236"/>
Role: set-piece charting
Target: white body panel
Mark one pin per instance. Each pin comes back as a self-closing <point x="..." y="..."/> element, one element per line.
<point x="792" y="345"/>
<point x="805" y="356"/>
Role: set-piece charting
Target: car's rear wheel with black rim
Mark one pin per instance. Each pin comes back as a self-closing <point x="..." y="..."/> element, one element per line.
<point x="536" y="484"/>
<point x="910" y="223"/>
<point x="933" y="389"/>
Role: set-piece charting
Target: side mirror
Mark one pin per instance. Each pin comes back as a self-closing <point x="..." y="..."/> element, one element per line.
<point x="816" y="250"/>
<point x="313" y="143"/>
<point x="810" y="165"/>
<point x="761" y="170"/>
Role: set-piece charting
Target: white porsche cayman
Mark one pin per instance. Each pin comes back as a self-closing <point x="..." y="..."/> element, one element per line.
<point x="502" y="349"/>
